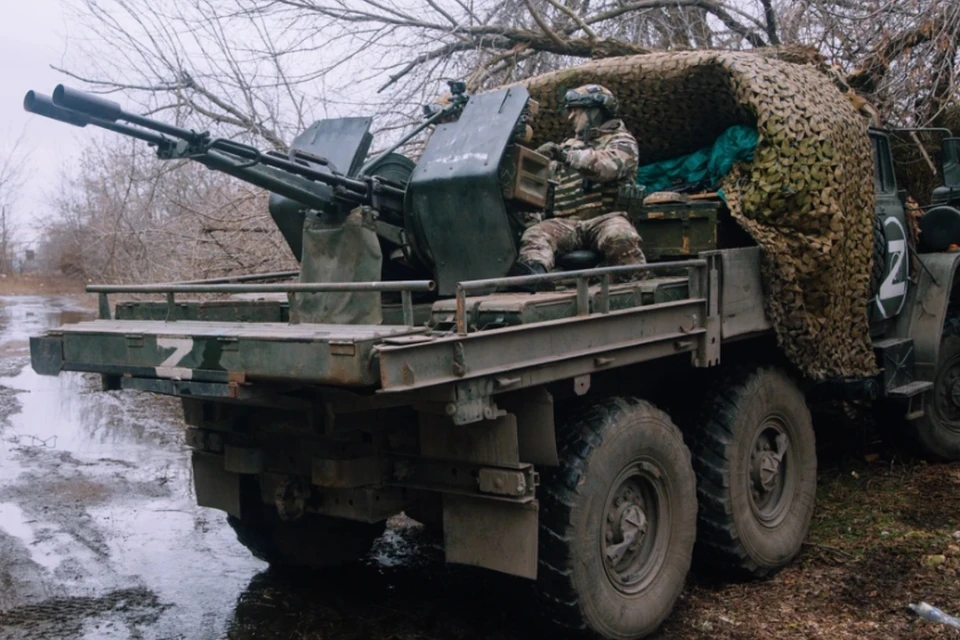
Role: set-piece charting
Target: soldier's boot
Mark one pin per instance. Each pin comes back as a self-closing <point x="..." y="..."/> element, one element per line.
<point x="525" y="268"/>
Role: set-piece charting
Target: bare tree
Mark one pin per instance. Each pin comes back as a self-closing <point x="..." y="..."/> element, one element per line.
<point x="270" y="65"/>
<point x="13" y="158"/>
<point x="264" y="69"/>
<point x="121" y="216"/>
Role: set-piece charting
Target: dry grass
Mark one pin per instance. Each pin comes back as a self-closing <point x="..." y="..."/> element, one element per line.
<point x="884" y="535"/>
<point x="882" y="538"/>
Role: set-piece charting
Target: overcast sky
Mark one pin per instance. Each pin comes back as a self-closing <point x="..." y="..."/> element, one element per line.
<point x="33" y="35"/>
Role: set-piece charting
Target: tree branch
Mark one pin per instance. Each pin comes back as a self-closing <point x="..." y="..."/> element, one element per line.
<point x="440" y="10"/>
<point x="771" y="22"/>
<point x="543" y="25"/>
<point x="573" y="16"/>
<point x="875" y="66"/>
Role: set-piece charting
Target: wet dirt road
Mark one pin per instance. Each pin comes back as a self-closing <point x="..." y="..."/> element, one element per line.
<point x="100" y="536"/>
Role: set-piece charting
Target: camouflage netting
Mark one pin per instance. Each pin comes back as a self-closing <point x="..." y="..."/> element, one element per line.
<point x="806" y="198"/>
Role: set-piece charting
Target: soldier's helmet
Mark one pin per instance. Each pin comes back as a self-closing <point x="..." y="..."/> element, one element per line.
<point x="591" y="95"/>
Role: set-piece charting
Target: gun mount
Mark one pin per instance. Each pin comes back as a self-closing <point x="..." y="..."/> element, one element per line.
<point x="450" y="217"/>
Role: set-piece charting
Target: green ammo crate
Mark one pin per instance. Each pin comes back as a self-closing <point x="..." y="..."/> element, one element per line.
<point x="677" y="230"/>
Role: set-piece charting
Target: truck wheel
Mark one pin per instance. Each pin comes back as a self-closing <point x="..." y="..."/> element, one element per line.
<point x="617" y="520"/>
<point x="311" y="542"/>
<point x="937" y="433"/>
<point x="755" y="456"/>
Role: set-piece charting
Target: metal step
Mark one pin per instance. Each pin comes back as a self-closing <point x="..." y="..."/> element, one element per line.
<point x="910" y="389"/>
<point x="884" y="343"/>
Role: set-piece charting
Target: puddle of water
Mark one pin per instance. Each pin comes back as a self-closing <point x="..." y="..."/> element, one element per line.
<point x="25" y="316"/>
<point x="185" y="554"/>
<point x="14" y="522"/>
<point x="403" y="545"/>
<point x="64" y="413"/>
<point x="108" y="480"/>
<point x="105" y="501"/>
<point x="67" y="413"/>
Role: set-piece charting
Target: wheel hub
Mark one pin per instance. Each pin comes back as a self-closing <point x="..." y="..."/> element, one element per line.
<point x="947" y="395"/>
<point x="632" y="543"/>
<point x="768" y="471"/>
<point x="291" y="499"/>
<point x="955" y="393"/>
<point x="625" y="530"/>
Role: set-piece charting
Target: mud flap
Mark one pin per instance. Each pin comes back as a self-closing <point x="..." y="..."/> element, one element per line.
<point x="216" y="487"/>
<point x="46" y="354"/>
<point x="339" y="250"/>
<point x="492" y="534"/>
<point x="925" y="309"/>
<point x="536" y="432"/>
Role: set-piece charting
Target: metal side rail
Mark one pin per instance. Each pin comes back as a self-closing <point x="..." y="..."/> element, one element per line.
<point x="514" y="357"/>
<point x="405" y="287"/>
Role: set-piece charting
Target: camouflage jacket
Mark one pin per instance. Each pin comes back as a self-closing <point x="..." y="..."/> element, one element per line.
<point x="588" y="182"/>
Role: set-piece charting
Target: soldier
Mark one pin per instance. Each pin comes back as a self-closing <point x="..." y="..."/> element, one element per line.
<point x="589" y="170"/>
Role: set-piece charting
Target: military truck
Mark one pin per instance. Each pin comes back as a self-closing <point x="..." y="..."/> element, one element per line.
<point x="561" y="435"/>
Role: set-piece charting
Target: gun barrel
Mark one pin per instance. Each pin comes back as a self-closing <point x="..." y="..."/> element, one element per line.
<point x="294" y="164"/>
<point x="109" y="111"/>
<point x="43" y="106"/>
<point x="293" y="176"/>
<point x="86" y="103"/>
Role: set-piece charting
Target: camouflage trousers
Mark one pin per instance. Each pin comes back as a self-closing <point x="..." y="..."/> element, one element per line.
<point x="611" y="234"/>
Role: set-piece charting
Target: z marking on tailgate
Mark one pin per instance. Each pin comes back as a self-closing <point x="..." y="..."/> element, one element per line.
<point x="169" y="368"/>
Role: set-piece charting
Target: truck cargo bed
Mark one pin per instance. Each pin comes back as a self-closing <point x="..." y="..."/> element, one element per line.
<point x="508" y="340"/>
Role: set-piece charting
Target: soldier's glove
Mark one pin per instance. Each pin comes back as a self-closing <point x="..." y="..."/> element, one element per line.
<point x="553" y="151"/>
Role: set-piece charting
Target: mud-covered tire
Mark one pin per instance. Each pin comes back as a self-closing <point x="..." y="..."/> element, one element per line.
<point x="608" y="451"/>
<point x="745" y="527"/>
<point x="311" y="542"/>
<point x="937" y="434"/>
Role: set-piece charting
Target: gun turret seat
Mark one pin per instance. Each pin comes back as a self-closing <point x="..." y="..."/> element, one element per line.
<point x="579" y="259"/>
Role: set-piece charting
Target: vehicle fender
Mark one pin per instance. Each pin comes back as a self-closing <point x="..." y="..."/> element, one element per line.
<point x="925" y="309"/>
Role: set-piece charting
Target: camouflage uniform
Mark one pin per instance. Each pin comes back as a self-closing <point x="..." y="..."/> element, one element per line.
<point x="587" y="186"/>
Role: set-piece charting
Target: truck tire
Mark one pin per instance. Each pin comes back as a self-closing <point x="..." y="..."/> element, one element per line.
<point x="937" y="434"/>
<point x="311" y="542"/>
<point x="625" y="474"/>
<point x="755" y="457"/>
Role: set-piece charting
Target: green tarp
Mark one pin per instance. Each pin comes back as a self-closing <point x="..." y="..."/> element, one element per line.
<point x="703" y="169"/>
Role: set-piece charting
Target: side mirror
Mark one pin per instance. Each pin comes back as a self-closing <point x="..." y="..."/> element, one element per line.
<point x="950" y="162"/>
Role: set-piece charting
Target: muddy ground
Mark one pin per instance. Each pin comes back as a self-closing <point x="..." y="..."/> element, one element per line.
<point x="100" y="538"/>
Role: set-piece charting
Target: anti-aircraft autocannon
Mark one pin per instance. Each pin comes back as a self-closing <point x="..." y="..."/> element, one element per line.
<point x="453" y="215"/>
